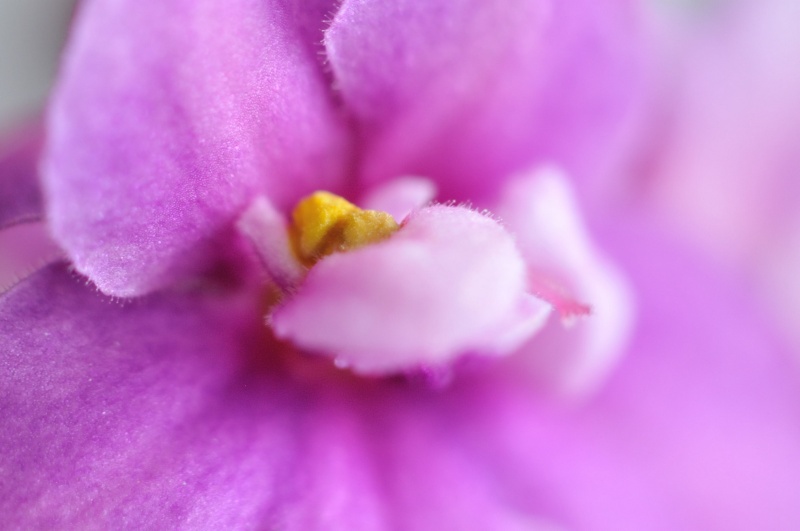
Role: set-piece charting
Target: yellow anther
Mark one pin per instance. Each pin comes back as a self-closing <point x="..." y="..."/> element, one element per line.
<point x="324" y="223"/>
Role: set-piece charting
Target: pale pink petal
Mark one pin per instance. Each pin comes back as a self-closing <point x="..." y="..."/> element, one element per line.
<point x="539" y="208"/>
<point x="440" y="287"/>
<point x="267" y="231"/>
<point x="530" y="317"/>
<point x="400" y="196"/>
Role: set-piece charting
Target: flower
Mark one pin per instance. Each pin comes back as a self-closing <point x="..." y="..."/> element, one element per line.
<point x="182" y="134"/>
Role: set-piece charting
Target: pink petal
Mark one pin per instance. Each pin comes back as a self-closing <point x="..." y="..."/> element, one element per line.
<point x="445" y="284"/>
<point x="161" y="133"/>
<point x="156" y="414"/>
<point x="149" y="413"/>
<point x="540" y="210"/>
<point x="697" y="428"/>
<point x="267" y="231"/>
<point x="467" y="91"/>
<point x="400" y="196"/>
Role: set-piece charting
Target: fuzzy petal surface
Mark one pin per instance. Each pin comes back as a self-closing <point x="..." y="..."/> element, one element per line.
<point x="467" y="92"/>
<point x="166" y="412"/>
<point x="160" y="133"/>
<point x="145" y="415"/>
<point x="445" y="284"/>
<point x="156" y="413"/>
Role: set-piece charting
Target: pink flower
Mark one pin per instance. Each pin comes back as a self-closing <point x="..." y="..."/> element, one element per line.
<point x="412" y="375"/>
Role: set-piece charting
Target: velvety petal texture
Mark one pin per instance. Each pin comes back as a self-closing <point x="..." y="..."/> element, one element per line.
<point x="151" y="415"/>
<point x="157" y="413"/>
<point x="450" y="281"/>
<point x="159" y="135"/>
<point x="467" y="92"/>
<point x="176" y="124"/>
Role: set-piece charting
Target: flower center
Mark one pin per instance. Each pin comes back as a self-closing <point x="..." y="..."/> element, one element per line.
<point x="324" y="223"/>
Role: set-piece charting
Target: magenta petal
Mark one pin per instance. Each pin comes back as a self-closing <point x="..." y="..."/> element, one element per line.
<point x="25" y="242"/>
<point x="160" y="133"/>
<point x="468" y="91"/>
<point x="25" y="248"/>
<point x="150" y="414"/>
<point x="20" y="198"/>
<point x="450" y="281"/>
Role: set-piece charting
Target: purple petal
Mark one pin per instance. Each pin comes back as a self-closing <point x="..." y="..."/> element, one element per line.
<point x="160" y="133"/>
<point x="148" y="414"/>
<point x="24" y="249"/>
<point x="450" y="281"/>
<point x="466" y="92"/>
<point x="20" y="198"/>
<point x="153" y="415"/>
<point x="25" y="243"/>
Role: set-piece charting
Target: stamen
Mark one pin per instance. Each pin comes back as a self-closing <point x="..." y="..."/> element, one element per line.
<point x="324" y="223"/>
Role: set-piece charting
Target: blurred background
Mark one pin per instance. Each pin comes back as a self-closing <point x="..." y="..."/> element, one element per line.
<point x="31" y="35"/>
<point x="720" y="155"/>
<point x="716" y="154"/>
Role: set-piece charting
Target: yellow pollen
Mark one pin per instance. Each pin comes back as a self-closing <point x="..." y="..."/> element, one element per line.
<point x="324" y="223"/>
